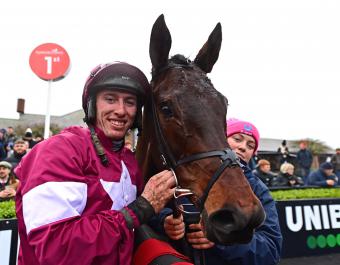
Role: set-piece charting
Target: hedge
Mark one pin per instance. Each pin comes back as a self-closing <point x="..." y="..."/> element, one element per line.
<point x="7" y="209"/>
<point x="312" y="193"/>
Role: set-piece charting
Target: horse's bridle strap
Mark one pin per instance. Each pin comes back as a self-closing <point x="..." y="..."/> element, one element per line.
<point x="224" y="154"/>
<point x="213" y="179"/>
<point x="228" y="158"/>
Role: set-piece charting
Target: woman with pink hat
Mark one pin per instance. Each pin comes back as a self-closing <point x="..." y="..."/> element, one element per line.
<point x="265" y="247"/>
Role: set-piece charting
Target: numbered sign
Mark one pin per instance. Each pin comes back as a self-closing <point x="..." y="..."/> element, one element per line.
<point x="50" y="61"/>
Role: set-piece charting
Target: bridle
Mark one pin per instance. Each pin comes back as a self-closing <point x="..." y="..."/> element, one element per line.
<point x="227" y="156"/>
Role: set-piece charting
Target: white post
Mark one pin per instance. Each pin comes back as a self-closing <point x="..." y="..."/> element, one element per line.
<point x="47" y="116"/>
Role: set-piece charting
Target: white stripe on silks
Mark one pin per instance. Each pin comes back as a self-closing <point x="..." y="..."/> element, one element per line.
<point x="53" y="201"/>
<point x="121" y="193"/>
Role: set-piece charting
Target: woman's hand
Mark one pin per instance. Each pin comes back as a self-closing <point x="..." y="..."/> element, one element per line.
<point x="197" y="239"/>
<point x="174" y="227"/>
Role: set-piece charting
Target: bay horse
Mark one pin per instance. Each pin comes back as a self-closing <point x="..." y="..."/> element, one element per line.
<point x="184" y="130"/>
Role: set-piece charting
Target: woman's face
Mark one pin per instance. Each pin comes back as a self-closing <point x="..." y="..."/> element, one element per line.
<point x="265" y="168"/>
<point x="243" y="145"/>
<point x="290" y="171"/>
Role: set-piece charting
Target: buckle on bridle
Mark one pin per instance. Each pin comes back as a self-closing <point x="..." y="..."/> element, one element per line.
<point x="182" y="207"/>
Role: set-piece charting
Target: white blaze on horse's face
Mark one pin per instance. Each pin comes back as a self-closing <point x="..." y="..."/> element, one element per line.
<point x="115" y="113"/>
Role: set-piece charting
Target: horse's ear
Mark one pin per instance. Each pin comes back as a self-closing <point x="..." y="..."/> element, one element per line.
<point x="208" y="55"/>
<point x="160" y="43"/>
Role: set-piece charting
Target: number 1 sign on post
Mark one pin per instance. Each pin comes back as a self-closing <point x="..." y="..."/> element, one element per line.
<point x="50" y="62"/>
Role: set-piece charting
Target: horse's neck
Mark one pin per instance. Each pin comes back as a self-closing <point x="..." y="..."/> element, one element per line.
<point x="146" y="147"/>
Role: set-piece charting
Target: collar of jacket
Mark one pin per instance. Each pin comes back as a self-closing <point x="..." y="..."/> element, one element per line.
<point x="107" y="143"/>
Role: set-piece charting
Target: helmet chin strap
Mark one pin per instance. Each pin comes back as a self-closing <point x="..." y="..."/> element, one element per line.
<point x="98" y="146"/>
<point x="116" y="146"/>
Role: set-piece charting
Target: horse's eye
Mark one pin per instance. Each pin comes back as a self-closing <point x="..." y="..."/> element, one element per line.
<point x="166" y="110"/>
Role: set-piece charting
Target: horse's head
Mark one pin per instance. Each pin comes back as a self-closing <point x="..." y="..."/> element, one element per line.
<point x="188" y="115"/>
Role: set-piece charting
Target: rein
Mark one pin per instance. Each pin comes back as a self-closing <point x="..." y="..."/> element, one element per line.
<point x="227" y="156"/>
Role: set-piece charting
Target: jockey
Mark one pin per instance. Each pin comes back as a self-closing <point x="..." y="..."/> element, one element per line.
<point x="265" y="246"/>
<point x="82" y="193"/>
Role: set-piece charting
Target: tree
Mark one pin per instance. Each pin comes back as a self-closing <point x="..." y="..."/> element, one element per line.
<point x="315" y="146"/>
<point x="37" y="129"/>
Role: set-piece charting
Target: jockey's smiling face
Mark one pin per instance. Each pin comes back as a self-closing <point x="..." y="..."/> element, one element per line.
<point x="115" y="112"/>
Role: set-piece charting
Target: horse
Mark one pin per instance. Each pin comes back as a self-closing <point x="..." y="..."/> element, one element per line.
<point x="184" y="120"/>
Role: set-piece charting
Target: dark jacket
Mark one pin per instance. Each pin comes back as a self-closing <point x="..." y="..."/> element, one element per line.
<point x="267" y="178"/>
<point x="282" y="180"/>
<point x="15" y="159"/>
<point x="304" y="158"/>
<point x="318" y="178"/>
<point x="11" y="140"/>
<point x="336" y="162"/>
<point x="264" y="248"/>
<point x="3" y="153"/>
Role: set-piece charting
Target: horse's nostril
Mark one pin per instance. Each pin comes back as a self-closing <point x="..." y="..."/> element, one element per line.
<point x="227" y="226"/>
<point x="222" y="218"/>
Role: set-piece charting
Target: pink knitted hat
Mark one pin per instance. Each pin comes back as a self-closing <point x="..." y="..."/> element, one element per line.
<point x="238" y="126"/>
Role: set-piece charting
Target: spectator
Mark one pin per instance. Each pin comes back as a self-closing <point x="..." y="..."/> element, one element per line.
<point x="8" y="182"/>
<point x="335" y="160"/>
<point x="286" y="177"/>
<point x="3" y="154"/>
<point x="323" y="177"/>
<point x="10" y="140"/>
<point x="19" y="150"/>
<point x="304" y="159"/>
<point x="28" y="137"/>
<point x="284" y="152"/>
<point x="40" y="138"/>
<point x="263" y="172"/>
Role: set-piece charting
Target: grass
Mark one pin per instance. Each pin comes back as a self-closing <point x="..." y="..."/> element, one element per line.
<point x="7" y="209"/>
<point x="312" y="193"/>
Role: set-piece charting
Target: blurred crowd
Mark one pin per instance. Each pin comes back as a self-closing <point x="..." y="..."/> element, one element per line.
<point x="13" y="148"/>
<point x="327" y="175"/>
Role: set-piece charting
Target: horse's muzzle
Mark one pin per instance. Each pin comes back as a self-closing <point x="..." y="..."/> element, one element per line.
<point x="230" y="225"/>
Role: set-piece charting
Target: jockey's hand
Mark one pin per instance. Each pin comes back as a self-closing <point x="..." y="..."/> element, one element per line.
<point x="159" y="189"/>
<point x="174" y="227"/>
<point x="197" y="239"/>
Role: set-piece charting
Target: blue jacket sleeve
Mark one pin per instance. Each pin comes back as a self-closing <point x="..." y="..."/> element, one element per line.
<point x="265" y="247"/>
<point x="315" y="178"/>
<point x="157" y="222"/>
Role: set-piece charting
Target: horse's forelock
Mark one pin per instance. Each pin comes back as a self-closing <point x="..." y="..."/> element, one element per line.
<point x="179" y="59"/>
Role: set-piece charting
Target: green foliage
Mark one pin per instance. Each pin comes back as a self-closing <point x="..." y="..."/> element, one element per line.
<point x="37" y="129"/>
<point x="315" y="146"/>
<point x="7" y="209"/>
<point x="312" y="193"/>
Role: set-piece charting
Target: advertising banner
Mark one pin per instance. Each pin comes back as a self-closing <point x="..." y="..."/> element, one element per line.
<point x="309" y="227"/>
